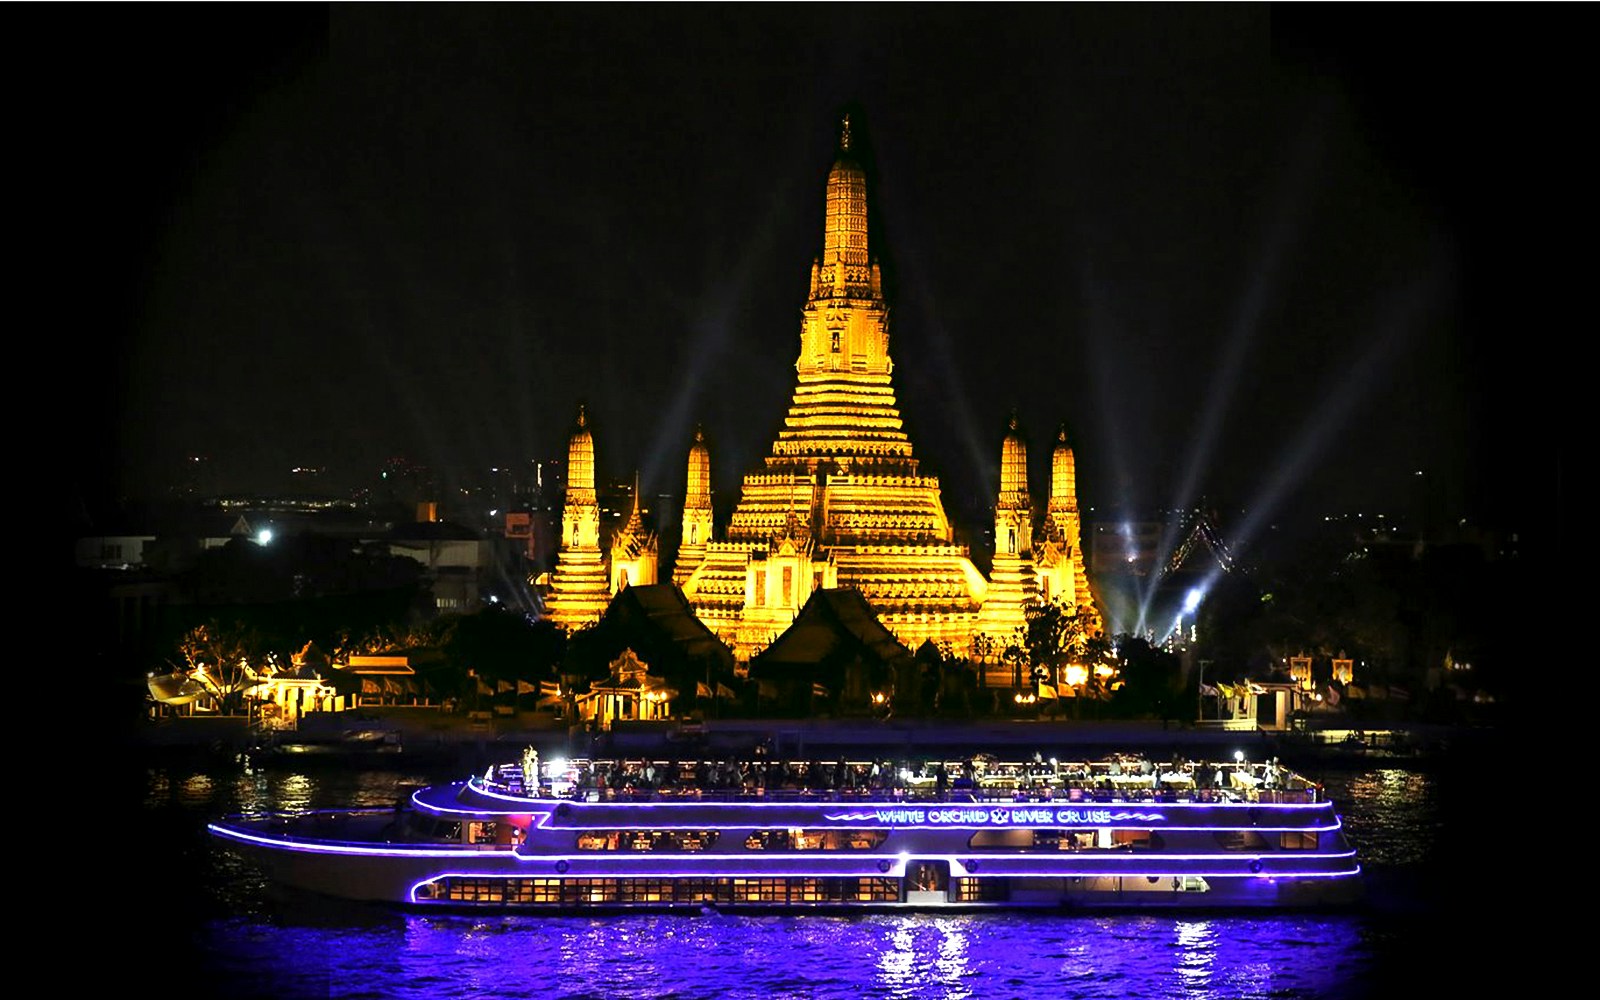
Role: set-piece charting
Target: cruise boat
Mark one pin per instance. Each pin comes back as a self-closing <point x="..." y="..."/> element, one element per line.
<point x="557" y="835"/>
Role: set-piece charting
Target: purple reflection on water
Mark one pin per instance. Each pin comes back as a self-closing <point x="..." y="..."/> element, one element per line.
<point x="824" y="957"/>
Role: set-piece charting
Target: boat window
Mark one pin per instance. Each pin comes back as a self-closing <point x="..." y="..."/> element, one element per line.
<point x="1298" y="840"/>
<point x="1064" y="840"/>
<point x="814" y="840"/>
<point x="481" y="833"/>
<point x="1240" y="840"/>
<point x="1136" y="838"/>
<point x="646" y="840"/>
<point x="767" y="840"/>
<point x="488" y="832"/>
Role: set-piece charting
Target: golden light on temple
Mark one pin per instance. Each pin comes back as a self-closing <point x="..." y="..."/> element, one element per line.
<point x="840" y="500"/>
<point x="580" y="588"/>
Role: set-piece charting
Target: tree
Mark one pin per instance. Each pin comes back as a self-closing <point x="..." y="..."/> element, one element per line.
<point x="1055" y="636"/>
<point x="505" y="645"/>
<point x="220" y="657"/>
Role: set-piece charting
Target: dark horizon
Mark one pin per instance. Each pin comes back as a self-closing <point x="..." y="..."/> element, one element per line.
<point x="1245" y="253"/>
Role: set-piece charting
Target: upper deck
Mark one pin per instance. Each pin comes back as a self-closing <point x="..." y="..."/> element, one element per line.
<point x="1122" y="778"/>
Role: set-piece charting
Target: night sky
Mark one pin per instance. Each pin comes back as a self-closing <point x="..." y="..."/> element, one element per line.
<point x="1279" y="258"/>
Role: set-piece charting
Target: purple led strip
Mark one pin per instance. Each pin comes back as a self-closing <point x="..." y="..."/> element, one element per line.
<point x="920" y="856"/>
<point x="420" y="852"/>
<point x="1043" y="814"/>
<point x="474" y="786"/>
<point x="327" y="847"/>
<point x="540" y="820"/>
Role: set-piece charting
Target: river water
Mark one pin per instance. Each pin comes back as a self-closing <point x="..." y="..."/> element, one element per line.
<point x="206" y="924"/>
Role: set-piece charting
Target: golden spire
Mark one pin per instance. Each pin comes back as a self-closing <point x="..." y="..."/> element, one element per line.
<point x="845" y="265"/>
<point x="580" y="458"/>
<point x="634" y="523"/>
<point x="1063" y="476"/>
<point x="698" y="489"/>
<point x="1013" y="466"/>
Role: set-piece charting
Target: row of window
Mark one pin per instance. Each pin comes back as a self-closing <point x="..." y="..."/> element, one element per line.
<point x="1083" y="840"/>
<point x="793" y="889"/>
<point x="1250" y="840"/>
<point x="759" y="840"/>
<point x="589" y="891"/>
<point x="867" y="840"/>
<point x="646" y="840"/>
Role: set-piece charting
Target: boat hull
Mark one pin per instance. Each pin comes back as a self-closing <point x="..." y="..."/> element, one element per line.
<point x="501" y="878"/>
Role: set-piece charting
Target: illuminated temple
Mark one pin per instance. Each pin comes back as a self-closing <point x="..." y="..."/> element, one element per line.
<point x="840" y="501"/>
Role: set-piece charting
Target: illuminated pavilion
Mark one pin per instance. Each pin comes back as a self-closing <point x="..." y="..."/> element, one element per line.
<point x="841" y="501"/>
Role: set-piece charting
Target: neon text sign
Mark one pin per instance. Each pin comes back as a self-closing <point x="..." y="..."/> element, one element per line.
<point x="1008" y="816"/>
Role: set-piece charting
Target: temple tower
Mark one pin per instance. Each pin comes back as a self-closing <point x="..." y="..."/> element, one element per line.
<point x="579" y="589"/>
<point x="1013" y="509"/>
<point x="840" y="501"/>
<point x="844" y="402"/>
<point x="1012" y="585"/>
<point x="635" y="551"/>
<point x="696" y="511"/>
<point x="1064" y="528"/>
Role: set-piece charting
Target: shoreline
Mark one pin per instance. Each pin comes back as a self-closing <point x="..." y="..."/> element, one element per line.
<point x="425" y="738"/>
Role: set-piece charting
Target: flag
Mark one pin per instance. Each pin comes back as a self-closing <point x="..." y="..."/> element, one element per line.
<point x="505" y="687"/>
<point x="484" y="688"/>
<point x="1047" y="690"/>
<point x="526" y="687"/>
<point x="1207" y="689"/>
<point x="1333" y="696"/>
<point x="724" y="691"/>
<point x="818" y="691"/>
<point x="702" y="689"/>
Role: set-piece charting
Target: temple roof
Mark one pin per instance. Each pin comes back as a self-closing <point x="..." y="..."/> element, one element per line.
<point x="833" y="621"/>
<point x="656" y="621"/>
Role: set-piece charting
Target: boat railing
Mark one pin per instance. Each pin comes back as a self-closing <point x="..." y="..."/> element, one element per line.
<point x="1116" y="779"/>
<point x="1046" y="793"/>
